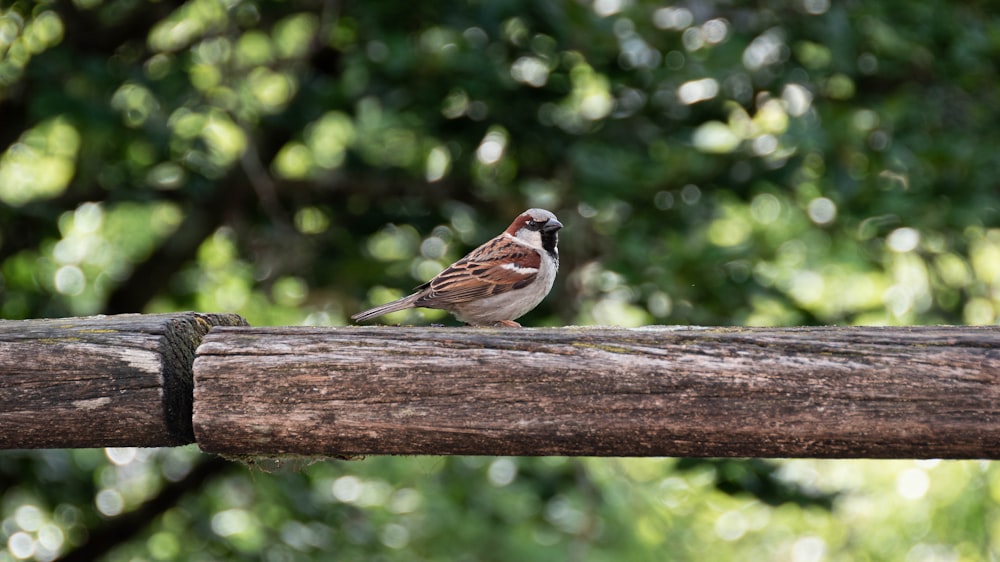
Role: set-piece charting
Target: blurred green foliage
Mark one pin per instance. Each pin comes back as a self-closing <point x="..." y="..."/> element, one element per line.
<point x="725" y="163"/>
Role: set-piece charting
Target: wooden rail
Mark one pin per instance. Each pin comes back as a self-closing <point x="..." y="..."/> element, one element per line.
<point x="748" y="392"/>
<point x="795" y="392"/>
<point x="101" y="381"/>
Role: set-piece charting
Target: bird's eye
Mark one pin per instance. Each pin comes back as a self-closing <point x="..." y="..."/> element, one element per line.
<point x="532" y="224"/>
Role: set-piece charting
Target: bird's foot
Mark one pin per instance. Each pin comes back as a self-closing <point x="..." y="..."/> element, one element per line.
<point x="507" y="324"/>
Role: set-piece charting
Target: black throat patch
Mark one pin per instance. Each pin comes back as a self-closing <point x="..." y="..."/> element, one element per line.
<point x="549" y="241"/>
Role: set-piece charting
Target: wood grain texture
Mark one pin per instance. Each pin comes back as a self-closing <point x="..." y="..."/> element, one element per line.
<point x="100" y="381"/>
<point x="797" y="392"/>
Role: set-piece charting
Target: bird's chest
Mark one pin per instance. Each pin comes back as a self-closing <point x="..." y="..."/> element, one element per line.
<point x="511" y="304"/>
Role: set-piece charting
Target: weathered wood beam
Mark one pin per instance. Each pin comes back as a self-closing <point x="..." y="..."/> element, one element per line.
<point x="797" y="392"/>
<point x="100" y="381"/>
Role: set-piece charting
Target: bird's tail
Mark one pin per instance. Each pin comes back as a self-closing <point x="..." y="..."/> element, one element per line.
<point x="394" y="306"/>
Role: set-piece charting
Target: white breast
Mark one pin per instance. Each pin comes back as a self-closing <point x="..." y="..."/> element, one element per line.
<point x="512" y="304"/>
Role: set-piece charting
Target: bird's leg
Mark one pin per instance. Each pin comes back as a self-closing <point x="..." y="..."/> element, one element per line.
<point x="507" y="324"/>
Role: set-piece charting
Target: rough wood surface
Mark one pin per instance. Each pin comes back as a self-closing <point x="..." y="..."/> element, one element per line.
<point x="100" y="381"/>
<point x="797" y="392"/>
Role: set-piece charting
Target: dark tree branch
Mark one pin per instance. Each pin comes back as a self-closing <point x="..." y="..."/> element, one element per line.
<point x="120" y="530"/>
<point x="130" y="26"/>
<point x="201" y="219"/>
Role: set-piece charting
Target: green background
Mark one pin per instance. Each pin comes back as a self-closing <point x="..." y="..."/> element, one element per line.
<point x="715" y="163"/>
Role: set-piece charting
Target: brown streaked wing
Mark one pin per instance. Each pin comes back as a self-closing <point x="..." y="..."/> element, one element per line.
<point x="477" y="276"/>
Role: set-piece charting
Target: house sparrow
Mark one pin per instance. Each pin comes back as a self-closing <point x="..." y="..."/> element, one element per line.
<point x="495" y="283"/>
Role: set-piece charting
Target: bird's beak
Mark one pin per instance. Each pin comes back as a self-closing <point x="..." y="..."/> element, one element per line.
<point x="551" y="226"/>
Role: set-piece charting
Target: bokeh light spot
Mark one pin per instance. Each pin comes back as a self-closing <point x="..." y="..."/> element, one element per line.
<point x="822" y="210"/>
<point x="903" y="239"/>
